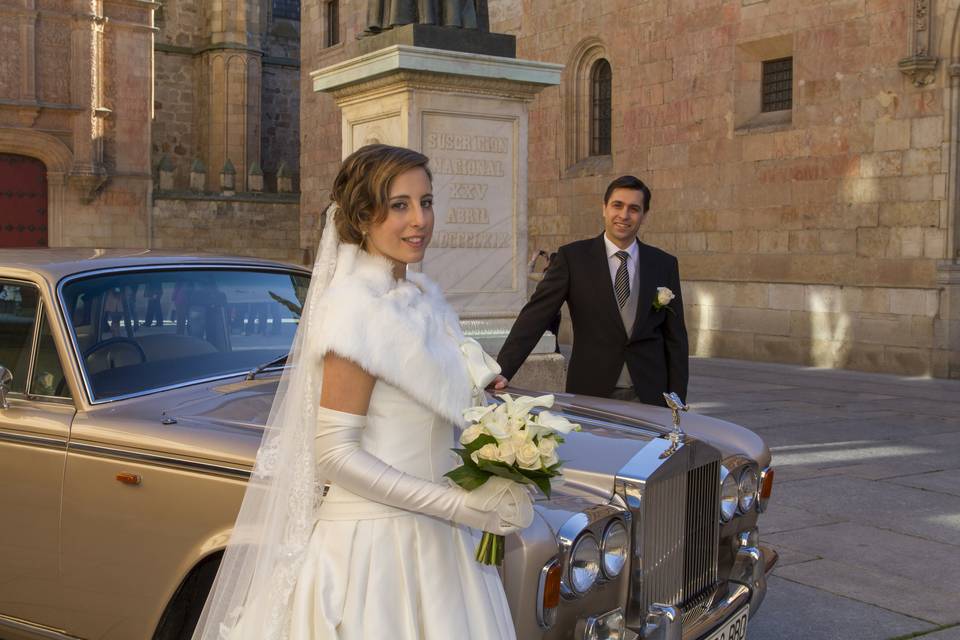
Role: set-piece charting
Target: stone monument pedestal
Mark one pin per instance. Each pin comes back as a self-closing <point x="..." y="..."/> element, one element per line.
<point x="468" y="113"/>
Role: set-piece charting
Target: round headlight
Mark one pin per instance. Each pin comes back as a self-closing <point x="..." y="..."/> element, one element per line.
<point x="729" y="494"/>
<point x="614" y="548"/>
<point x="584" y="564"/>
<point x="749" y="485"/>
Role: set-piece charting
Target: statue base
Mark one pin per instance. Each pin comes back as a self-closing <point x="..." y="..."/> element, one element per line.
<point x="431" y="36"/>
<point x="469" y="114"/>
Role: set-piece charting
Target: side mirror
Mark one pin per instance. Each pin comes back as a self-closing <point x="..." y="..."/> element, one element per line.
<point x="6" y="377"/>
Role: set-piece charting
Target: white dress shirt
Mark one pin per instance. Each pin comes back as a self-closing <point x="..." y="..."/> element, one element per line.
<point x="614" y="262"/>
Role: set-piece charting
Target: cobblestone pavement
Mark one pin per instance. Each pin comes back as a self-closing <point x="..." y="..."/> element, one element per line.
<point x="866" y="506"/>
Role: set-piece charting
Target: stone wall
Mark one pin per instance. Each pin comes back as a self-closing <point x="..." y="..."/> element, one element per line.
<point x="264" y="227"/>
<point x="74" y="94"/>
<point x="813" y="238"/>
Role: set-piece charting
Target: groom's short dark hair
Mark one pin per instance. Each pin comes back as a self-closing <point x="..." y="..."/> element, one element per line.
<point x="629" y="182"/>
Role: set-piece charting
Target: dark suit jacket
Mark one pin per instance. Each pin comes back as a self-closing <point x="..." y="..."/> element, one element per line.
<point x="655" y="351"/>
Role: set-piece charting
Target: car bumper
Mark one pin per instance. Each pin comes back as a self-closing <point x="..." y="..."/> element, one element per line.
<point x="747" y="586"/>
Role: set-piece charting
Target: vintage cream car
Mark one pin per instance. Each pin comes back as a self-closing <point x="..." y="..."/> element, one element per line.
<point x="132" y="390"/>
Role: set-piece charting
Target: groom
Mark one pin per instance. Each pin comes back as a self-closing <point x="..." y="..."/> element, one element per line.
<point x="629" y="339"/>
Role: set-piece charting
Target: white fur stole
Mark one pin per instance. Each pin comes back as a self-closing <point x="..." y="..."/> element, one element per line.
<point x="403" y="332"/>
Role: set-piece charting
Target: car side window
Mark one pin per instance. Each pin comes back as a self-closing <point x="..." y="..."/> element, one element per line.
<point x="48" y="377"/>
<point x="18" y="316"/>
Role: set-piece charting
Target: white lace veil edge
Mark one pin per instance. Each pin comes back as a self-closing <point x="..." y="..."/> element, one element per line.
<point x="251" y="593"/>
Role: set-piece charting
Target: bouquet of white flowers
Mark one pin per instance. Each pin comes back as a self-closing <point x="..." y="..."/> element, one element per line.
<point x="507" y="440"/>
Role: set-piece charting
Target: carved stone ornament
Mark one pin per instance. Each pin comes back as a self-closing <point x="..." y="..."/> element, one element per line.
<point x="920" y="65"/>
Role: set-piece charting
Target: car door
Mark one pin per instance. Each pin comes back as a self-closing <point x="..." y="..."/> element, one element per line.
<point x="34" y="429"/>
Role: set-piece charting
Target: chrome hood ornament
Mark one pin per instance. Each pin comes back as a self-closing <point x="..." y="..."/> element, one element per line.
<point x="677" y="436"/>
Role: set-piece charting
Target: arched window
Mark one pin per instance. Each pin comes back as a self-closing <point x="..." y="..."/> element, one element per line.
<point x="587" y="97"/>
<point x="601" y="80"/>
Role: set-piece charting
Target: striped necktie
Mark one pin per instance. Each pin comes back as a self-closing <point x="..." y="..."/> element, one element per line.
<point x="621" y="282"/>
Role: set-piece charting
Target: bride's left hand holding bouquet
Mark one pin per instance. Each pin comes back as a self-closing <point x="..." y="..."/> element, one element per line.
<point x="509" y="445"/>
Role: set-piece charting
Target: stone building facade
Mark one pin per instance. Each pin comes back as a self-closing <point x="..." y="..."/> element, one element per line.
<point x="823" y="233"/>
<point x="76" y="95"/>
<point x="118" y="118"/>
<point x="225" y="139"/>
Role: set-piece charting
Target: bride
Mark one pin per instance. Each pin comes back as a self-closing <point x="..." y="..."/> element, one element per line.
<point x="378" y="376"/>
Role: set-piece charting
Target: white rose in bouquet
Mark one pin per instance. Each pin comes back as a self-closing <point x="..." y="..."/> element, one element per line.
<point x="487" y="452"/>
<point x="548" y="451"/>
<point x="506" y="452"/>
<point x="528" y="456"/>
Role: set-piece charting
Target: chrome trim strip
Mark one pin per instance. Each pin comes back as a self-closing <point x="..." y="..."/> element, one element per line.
<point x="35" y="629"/>
<point x="36" y="341"/>
<point x="719" y="612"/>
<point x="75" y="348"/>
<point x="621" y="422"/>
<point x="161" y="460"/>
<point x="40" y="441"/>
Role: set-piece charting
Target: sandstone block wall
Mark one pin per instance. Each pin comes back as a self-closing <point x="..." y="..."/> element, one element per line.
<point x="75" y="92"/>
<point x="813" y="237"/>
<point x="257" y="227"/>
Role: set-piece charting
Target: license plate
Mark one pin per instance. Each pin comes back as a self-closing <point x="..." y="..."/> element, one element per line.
<point x="733" y="629"/>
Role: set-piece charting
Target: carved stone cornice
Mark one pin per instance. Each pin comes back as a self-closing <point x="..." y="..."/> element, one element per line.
<point x="919" y="66"/>
<point x="431" y="81"/>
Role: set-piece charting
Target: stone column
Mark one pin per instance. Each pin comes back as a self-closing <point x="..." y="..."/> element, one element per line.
<point x="946" y="359"/>
<point x="232" y="75"/>
<point x="86" y="90"/>
<point x="469" y="114"/>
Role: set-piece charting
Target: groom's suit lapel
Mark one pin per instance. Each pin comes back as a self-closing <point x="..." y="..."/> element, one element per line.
<point x="646" y="283"/>
<point x="600" y="265"/>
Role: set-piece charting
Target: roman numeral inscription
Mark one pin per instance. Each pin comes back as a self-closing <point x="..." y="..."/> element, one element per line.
<point x="468" y="191"/>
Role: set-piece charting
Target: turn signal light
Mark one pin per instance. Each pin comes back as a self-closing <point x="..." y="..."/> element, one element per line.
<point x="766" y="488"/>
<point x="551" y="587"/>
<point x="548" y="596"/>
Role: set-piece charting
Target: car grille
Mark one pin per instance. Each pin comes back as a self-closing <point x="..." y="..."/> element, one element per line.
<point x="676" y="531"/>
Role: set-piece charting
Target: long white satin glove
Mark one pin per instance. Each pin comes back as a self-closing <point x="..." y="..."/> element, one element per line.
<point x="493" y="507"/>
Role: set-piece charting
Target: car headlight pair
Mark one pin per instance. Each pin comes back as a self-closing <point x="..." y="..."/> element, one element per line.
<point x="589" y="558"/>
<point x="738" y="490"/>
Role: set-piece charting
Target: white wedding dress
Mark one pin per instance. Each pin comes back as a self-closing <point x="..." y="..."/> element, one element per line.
<point x="376" y="565"/>
<point x="373" y="570"/>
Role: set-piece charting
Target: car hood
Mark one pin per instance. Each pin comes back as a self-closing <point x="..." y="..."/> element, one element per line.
<point x="222" y="422"/>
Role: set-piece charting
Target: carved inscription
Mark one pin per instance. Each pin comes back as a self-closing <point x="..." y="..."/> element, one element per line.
<point x="464" y="142"/>
<point x="468" y="215"/>
<point x="472" y="160"/>
<point x="471" y="240"/>
<point x="468" y="191"/>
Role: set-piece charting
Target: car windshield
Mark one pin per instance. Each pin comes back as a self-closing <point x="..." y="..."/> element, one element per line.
<point x="140" y="331"/>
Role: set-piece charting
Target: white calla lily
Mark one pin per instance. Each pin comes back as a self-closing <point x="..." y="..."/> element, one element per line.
<point x="476" y="414"/>
<point x="556" y="422"/>
<point x="471" y="433"/>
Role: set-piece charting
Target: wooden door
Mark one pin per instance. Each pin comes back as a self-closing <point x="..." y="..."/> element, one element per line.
<point x="23" y="201"/>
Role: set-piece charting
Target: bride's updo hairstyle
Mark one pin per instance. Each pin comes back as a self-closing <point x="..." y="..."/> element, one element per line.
<point x="362" y="186"/>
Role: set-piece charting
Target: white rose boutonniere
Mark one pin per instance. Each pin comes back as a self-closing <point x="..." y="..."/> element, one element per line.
<point x="663" y="298"/>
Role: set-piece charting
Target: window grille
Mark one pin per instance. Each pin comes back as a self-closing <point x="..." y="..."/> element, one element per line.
<point x="777" y="85"/>
<point x="601" y="89"/>
<point x="333" y="22"/>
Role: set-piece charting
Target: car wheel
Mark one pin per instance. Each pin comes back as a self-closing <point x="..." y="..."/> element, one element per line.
<point x="182" y="613"/>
